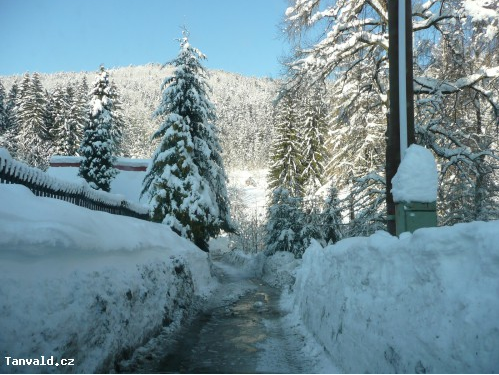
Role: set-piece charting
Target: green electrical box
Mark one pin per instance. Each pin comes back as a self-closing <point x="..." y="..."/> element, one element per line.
<point x="414" y="215"/>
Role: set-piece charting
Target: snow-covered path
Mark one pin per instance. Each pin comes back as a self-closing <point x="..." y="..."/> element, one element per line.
<point x="241" y="330"/>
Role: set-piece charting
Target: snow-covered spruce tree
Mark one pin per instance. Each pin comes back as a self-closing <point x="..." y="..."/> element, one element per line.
<point x="76" y="120"/>
<point x="32" y="137"/>
<point x="313" y="145"/>
<point x="3" y="111"/>
<point x="285" y="156"/>
<point x="284" y="224"/>
<point x="97" y="145"/>
<point x="186" y="180"/>
<point x="8" y="139"/>
<point x="310" y="223"/>
<point x="118" y="121"/>
<point x="331" y="217"/>
<point x="57" y="109"/>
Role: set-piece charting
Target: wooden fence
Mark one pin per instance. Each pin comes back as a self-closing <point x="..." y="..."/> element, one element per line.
<point x="78" y="193"/>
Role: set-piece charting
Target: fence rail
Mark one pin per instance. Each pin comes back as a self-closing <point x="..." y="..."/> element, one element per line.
<point x="78" y="193"/>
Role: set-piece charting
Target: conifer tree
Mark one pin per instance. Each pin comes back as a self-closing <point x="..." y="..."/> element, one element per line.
<point x="313" y="149"/>
<point x="97" y="145"/>
<point x="76" y="119"/>
<point x="60" y="108"/>
<point x="186" y="181"/>
<point x="8" y="139"/>
<point x="332" y="217"/>
<point x="3" y="110"/>
<point x="32" y="146"/>
<point x="284" y="224"/>
<point x="286" y="167"/>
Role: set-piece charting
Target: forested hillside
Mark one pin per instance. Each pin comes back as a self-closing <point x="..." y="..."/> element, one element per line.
<point x="244" y="108"/>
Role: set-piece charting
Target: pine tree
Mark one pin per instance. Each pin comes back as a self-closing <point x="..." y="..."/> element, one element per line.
<point x="118" y="121"/>
<point x="284" y="224"/>
<point x="32" y="146"/>
<point x="186" y="181"/>
<point x="313" y="149"/>
<point x="9" y="136"/>
<point x="76" y="120"/>
<point x="286" y="167"/>
<point x="331" y="217"/>
<point x="97" y="145"/>
<point x="310" y="223"/>
<point x="59" y="108"/>
<point x="3" y="110"/>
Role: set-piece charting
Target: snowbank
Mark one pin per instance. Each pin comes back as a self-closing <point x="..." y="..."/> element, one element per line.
<point x="87" y="285"/>
<point x="427" y="302"/>
<point x="248" y="264"/>
<point x="279" y="269"/>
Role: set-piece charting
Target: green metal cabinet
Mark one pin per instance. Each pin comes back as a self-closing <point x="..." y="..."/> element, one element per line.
<point x="415" y="215"/>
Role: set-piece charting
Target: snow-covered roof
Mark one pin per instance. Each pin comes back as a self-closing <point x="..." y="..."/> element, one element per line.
<point x="123" y="164"/>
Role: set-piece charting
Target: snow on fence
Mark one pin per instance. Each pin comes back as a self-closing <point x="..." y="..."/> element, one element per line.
<point x="78" y="193"/>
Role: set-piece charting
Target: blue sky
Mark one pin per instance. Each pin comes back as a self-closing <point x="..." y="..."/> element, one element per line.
<point x="241" y="36"/>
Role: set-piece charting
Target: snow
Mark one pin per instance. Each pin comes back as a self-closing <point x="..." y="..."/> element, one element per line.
<point x="126" y="183"/>
<point x="416" y="179"/>
<point x="120" y="161"/>
<point x="426" y="302"/>
<point x="253" y="186"/>
<point x="480" y="10"/>
<point x="69" y="185"/>
<point x="82" y="284"/>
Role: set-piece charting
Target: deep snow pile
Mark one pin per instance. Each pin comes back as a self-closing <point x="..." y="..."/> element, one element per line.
<point x="88" y="285"/>
<point x="427" y="302"/>
<point x="416" y="179"/>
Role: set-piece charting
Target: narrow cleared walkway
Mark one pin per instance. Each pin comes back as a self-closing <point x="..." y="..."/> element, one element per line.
<point x="239" y="332"/>
<point x="242" y="336"/>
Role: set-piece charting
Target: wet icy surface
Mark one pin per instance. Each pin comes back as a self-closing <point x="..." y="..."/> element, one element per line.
<point x="239" y="337"/>
<point x="239" y="331"/>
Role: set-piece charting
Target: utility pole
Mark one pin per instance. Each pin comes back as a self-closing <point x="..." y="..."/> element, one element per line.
<point x="400" y="131"/>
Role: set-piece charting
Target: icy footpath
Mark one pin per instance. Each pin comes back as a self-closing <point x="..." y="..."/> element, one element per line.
<point x="424" y="303"/>
<point x="89" y="286"/>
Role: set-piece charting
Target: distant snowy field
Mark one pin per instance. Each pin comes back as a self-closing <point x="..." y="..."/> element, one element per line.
<point x="86" y="285"/>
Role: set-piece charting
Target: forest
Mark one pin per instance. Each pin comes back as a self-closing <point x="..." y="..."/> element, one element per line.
<point x="320" y="129"/>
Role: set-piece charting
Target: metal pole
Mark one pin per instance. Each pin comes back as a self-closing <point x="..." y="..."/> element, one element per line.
<point x="402" y="65"/>
<point x="393" y="130"/>
<point x="409" y="76"/>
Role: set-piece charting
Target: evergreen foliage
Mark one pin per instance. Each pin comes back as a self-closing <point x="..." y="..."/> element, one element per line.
<point x="286" y="159"/>
<point x="97" y="145"/>
<point x="8" y="139"/>
<point x="284" y="224"/>
<point x="186" y="180"/>
<point x="75" y="122"/>
<point x="331" y="215"/>
<point x="313" y="141"/>
<point x="58" y="109"/>
<point x="4" y="121"/>
<point x="33" y="136"/>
